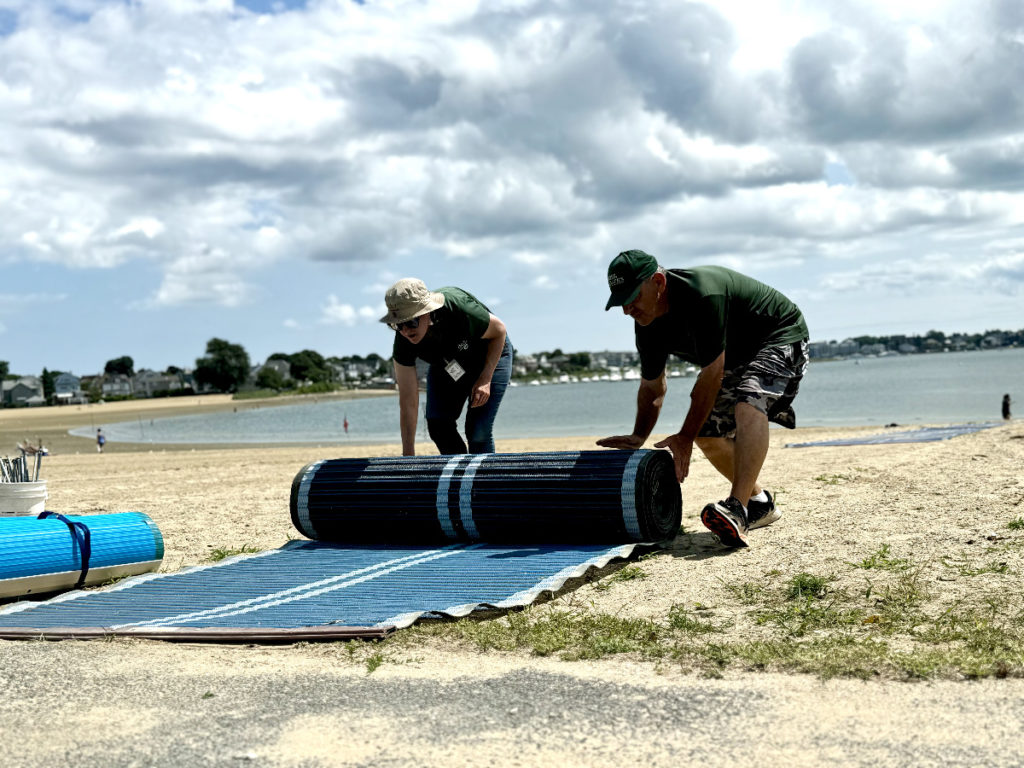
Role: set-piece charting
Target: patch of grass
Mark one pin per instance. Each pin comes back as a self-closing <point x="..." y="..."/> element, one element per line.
<point x="629" y="573"/>
<point x="373" y="662"/>
<point x="802" y="616"/>
<point x="832" y="479"/>
<point x="221" y="553"/>
<point x="993" y="567"/>
<point x="807" y="585"/>
<point x="569" y="634"/>
<point x="679" y="618"/>
<point x="748" y="593"/>
<point x="881" y="560"/>
<point x="1016" y="525"/>
<point x="964" y="569"/>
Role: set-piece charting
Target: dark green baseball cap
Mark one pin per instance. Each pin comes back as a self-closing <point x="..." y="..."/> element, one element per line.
<point x="626" y="274"/>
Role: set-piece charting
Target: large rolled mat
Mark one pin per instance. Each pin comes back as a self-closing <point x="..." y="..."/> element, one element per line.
<point x="56" y="553"/>
<point x="573" y="496"/>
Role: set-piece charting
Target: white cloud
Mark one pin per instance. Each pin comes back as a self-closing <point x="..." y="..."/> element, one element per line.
<point x="208" y="150"/>
<point x="544" y="283"/>
<point x="338" y="313"/>
<point x="1005" y="273"/>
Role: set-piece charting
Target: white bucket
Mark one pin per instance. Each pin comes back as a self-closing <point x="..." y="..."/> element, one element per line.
<point x="22" y="498"/>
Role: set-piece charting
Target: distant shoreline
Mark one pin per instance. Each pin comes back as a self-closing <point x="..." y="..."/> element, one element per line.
<point x="50" y="424"/>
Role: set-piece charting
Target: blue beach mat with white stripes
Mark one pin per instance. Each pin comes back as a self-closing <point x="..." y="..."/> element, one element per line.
<point x="923" y="435"/>
<point x="401" y="538"/>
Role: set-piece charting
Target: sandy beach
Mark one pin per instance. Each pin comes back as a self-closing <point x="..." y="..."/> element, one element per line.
<point x="870" y="521"/>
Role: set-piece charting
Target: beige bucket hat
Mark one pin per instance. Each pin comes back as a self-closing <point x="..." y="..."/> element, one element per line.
<point x="409" y="298"/>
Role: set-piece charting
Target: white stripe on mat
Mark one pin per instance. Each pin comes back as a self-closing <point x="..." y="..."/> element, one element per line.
<point x="444" y="517"/>
<point x="466" y="497"/>
<point x="629" y="494"/>
<point x="302" y="505"/>
<point x="303" y="591"/>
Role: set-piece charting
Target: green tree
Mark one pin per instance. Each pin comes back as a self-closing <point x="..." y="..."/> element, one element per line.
<point x="225" y="367"/>
<point x="579" y="360"/>
<point x="5" y="368"/>
<point x="270" y="378"/>
<point x="308" y="365"/>
<point x="49" y="377"/>
<point x="123" y="365"/>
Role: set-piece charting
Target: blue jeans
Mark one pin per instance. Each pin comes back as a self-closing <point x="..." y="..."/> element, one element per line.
<point x="445" y="399"/>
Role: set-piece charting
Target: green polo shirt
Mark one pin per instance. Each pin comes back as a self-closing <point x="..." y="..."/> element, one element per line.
<point x="455" y="334"/>
<point x="713" y="309"/>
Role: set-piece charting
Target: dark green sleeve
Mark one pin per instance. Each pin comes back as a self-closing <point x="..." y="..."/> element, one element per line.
<point x="710" y="318"/>
<point x="477" y="317"/>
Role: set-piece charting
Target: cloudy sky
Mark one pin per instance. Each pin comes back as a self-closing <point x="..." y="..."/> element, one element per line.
<point x="175" y="170"/>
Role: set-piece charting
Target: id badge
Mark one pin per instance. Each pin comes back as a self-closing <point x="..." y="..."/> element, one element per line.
<point x="455" y="370"/>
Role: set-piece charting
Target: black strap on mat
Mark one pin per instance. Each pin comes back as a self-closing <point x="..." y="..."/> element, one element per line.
<point x="80" y="533"/>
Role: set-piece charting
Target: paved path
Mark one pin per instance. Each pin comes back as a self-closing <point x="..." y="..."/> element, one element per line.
<point x="133" y="703"/>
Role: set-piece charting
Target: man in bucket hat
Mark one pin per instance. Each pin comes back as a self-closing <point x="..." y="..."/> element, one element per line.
<point x="470" y="359"/>
<point x="750" y="343"/>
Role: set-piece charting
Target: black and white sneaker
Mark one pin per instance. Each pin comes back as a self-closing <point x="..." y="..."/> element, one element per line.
<point x="762" y="513"/>
<point x="727" y="520"/>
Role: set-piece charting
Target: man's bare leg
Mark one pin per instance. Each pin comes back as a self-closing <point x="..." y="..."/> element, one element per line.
<point x="749" y="451"/>
<point x="720" y="451"/>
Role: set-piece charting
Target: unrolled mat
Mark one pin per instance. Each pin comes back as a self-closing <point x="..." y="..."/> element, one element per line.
<point x="494" y="530"/>
<point x="923" y="435"/>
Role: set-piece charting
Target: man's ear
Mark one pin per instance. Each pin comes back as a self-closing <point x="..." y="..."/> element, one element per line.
<point x="660" y="280"/>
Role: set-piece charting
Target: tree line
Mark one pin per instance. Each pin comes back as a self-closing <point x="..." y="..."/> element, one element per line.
<point x="226" y="367"/>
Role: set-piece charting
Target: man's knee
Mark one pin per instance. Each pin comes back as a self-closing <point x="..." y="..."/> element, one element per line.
<point x="712" y="445"/>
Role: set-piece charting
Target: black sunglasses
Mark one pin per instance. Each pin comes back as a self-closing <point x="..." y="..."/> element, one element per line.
<point x="410" y="324"/>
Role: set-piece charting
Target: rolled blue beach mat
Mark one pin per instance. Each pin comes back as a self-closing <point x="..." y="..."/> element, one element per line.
<point x="53" y="552"/>
<point x="539" y="498"/>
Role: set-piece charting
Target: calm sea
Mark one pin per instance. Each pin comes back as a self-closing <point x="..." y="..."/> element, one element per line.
<point x="907" y="390"/>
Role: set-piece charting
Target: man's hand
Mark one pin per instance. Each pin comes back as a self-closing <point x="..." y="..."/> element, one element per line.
<point x="481" y="394"/>
<point x="622" y="442"/>
<point x="681" y="450"/>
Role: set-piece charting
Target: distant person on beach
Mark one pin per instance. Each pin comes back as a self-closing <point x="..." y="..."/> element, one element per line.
<point x="750" y="343"/>
<point x="101" y="440"/>
<point x="1006" y="406"/>
<point x="470" y="359"/>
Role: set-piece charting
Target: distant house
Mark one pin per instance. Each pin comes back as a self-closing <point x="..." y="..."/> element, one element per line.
<point x="67" y="389"/>
<point x="116" y="385"/>
<point x="148" y="383"/>
<point x="28" y="390"/>
<point x="993" y="340"/>
<point x="283" y="368"/>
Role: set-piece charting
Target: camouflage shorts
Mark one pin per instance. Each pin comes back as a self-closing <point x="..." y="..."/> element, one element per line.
<point x="769" y="382"/>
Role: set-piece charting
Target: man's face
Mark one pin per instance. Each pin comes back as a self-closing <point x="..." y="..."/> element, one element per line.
<point x="415" y="335"/>
<point x="643" y="307"/>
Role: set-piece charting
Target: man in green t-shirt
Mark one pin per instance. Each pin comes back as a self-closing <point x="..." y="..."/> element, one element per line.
<point x="470" y="359"/>
<point x="750" y="343"/>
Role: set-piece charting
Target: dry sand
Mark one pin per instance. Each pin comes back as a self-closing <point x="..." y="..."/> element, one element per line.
<point x="136" y="702"/>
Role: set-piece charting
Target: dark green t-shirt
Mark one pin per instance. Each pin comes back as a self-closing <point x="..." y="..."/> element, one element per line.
<point x="455" y="334"/>
<point x="714" y="308"/>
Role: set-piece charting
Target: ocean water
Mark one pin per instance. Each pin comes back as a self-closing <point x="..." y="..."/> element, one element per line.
<point x="909" y="390"/>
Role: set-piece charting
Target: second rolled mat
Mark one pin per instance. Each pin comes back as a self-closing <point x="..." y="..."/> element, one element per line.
<point x="572" y="496"/>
